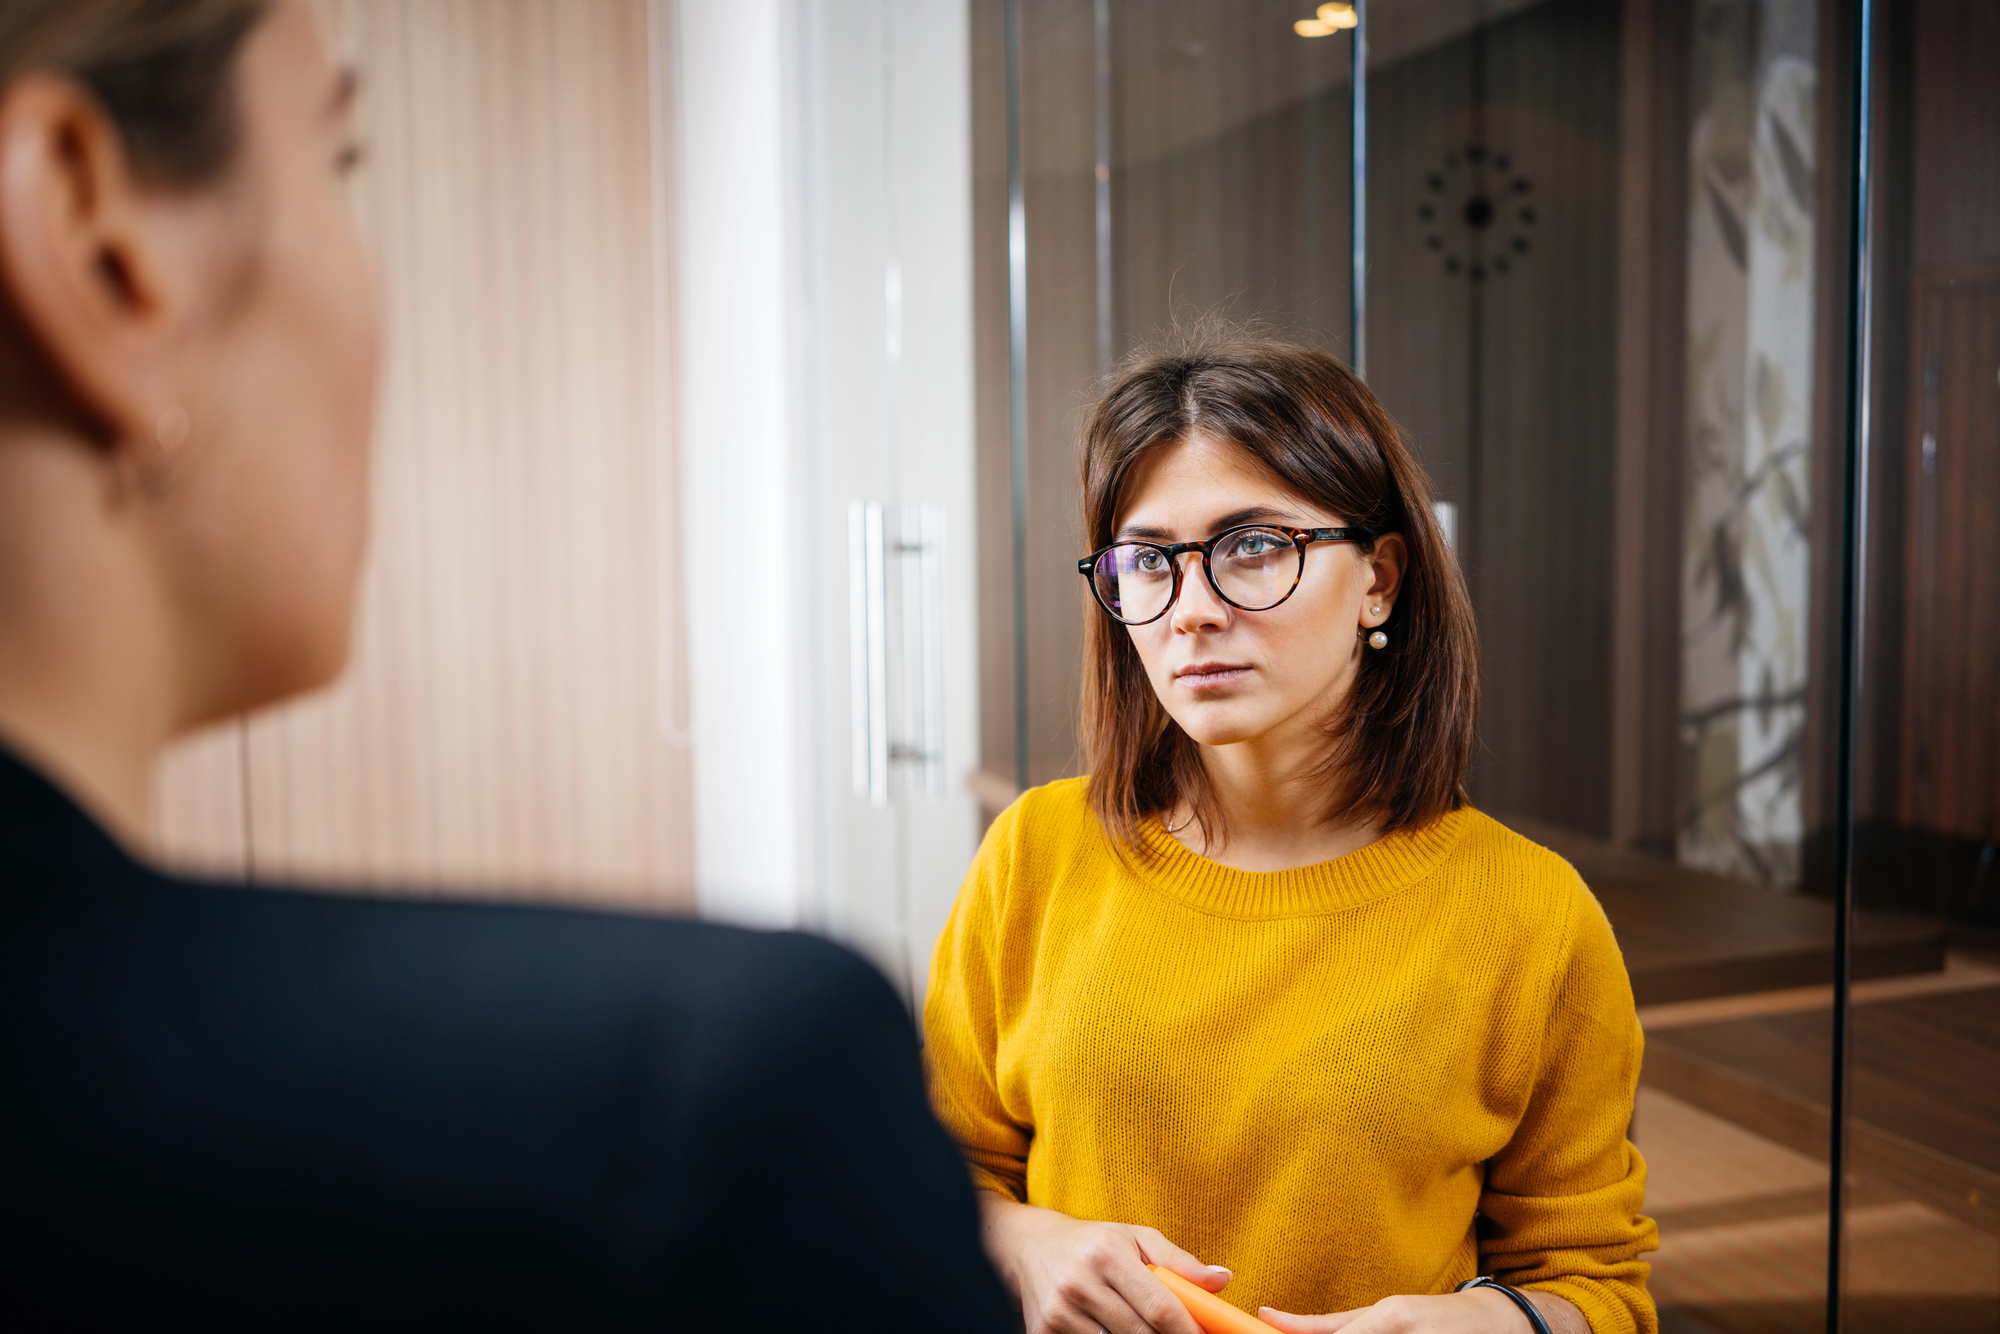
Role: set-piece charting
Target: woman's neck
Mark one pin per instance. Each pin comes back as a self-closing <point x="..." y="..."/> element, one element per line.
<point x="87" y="680"/>
<point x="1271" y="794"/>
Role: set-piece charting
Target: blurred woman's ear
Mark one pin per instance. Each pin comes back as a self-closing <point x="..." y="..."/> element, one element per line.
<point x="98" y="272"/>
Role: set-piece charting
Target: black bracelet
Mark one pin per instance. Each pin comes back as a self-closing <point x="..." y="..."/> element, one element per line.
<point x="1527" y="1307"/>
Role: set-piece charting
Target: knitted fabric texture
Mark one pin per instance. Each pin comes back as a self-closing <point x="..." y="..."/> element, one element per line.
<point x="1381" y="1074"/>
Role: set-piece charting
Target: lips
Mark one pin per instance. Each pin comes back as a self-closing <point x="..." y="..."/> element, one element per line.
<point x="1209" y="675"/>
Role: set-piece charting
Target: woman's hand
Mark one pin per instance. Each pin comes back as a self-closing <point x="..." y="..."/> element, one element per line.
<point x="1076" y="1277"/>
<point x="1477" y="1311"/>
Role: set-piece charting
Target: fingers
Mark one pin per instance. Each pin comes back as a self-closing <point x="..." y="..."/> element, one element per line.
<point x="1155" y="1249"/>
<point x="1308" y="1324"/>
<point x="1151" y="1301"/>
<point x="1124" y="1305"/>
<point x="1103" y="1283"/>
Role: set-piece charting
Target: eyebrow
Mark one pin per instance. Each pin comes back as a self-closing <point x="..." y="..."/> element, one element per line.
<point x="1233" y="519"/>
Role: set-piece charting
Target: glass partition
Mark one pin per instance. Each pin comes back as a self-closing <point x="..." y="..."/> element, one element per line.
<point x="1923" y="1062"/>
<point x="1739" y="608"/>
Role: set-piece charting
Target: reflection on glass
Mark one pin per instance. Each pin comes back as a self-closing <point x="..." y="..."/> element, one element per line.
<point x="1229" y="168"/>
<point x="1607" y="256"/>
<point x="1177" y="158"/>
<point x="1748" y="542"/>
<point x="1923" y="1216"/>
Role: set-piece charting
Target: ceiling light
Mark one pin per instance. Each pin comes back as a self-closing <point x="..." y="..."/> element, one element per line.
<point x="1313" y="28"/>
<point x="1338" y="15"/>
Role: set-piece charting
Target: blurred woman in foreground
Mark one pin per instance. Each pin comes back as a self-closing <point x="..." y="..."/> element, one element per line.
<point x="223" y="1106"/>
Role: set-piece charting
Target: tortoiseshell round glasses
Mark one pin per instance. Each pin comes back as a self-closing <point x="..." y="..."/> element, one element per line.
<point x="1252" y="568"/>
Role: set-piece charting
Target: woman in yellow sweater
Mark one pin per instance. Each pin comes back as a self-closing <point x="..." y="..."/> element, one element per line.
<point x="1264" y="989"/>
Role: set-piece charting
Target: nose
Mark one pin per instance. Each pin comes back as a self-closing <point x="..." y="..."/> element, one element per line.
<point x="1197" y="608"/>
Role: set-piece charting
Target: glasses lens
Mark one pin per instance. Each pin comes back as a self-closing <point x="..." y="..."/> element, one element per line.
<point x="1134" y="581"/>
<point x="1256" y="568"/>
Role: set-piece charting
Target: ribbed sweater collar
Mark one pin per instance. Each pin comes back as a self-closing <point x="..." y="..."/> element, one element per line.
<point x="1389" y="864"/>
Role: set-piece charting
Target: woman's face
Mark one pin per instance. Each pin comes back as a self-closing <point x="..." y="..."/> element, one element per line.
<point x="1229" y="676"/>
<point x="266" y="506"/>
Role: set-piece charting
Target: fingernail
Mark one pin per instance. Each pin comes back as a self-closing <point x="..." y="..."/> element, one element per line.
<point x="1220" y="1270"/>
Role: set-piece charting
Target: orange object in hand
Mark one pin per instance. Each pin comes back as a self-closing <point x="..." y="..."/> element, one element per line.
<point x="1214" y="1315"/>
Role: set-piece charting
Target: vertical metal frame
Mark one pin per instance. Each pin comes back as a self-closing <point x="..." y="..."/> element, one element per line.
<point x="1854" y="523"/>
<point x="669" y="707"/>
<point x="859" y="650"/>
<point x="920" y="557"/>
<point x="1017" y="385"/>
<point x="1357" y="198"/>
<point x="892" y="261"/>
<point x="868" y="650"/>
<point x="1101" y="90"/>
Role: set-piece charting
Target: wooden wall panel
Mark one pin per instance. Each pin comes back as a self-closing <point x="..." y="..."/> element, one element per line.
<point x="1951" y="613"/>
<point x="508" y="724"/>
<point x="1651" y="440"/>
<point x="1956" y="133"/>
<point x="1221" y="206"/>
<point x="1507" y="385"/>
<point x="1058" y="162"/>
<point x="1949" y="779"/>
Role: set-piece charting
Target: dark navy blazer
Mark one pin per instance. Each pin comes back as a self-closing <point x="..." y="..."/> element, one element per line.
<point x="225" y="1106"/>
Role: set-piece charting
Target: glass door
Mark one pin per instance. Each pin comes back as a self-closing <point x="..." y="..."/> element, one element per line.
<point x="1922" y="1071"/>
<point x="1722" y="457"/>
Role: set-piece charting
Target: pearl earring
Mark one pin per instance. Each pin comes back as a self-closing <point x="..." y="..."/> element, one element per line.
<point x="1378" y="640"/>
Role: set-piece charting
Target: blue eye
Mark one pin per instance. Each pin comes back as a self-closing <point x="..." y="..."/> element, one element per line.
<point x="1257" y="544"/>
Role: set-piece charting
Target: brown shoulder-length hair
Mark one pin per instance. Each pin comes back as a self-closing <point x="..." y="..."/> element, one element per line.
<point x="164" y="71"/>
<point x="1400" y="745"/>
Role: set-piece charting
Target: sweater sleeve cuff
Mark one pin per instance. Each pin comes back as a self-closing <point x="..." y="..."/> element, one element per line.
<point x="1607" y="1307"/>
<point x="985" y="1179"/>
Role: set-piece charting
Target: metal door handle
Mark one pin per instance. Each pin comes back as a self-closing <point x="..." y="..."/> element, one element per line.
<point x="919" y="552"/>
<point x="868" y="651"/>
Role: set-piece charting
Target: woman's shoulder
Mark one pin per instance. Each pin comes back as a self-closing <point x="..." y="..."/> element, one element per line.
<point x="1492" y="843"/>
<point x="1536" y="879"/>
<point x="1053" y="811"/>
<point x="1042" y="834"/>
<point x="1046" y="836"/>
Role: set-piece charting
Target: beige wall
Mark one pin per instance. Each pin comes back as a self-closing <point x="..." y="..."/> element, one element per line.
<point x="514" y="718"/>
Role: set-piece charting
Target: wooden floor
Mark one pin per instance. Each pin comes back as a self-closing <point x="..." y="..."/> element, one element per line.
<point x="1923" y="1077"/>
<point x="1689" y="935"/>
<point x="1733" y="987"/>
<point x="1743" y="1240"/>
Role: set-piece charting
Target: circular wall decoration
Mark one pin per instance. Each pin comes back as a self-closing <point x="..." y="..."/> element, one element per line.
<point x="1477" y="212"/>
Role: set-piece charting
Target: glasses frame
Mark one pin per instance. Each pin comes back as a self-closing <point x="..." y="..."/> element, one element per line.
<point x="1301" y="539"/>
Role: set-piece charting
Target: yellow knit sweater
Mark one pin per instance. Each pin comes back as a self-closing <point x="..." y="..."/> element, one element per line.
<point x="1382" y="1074"/>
